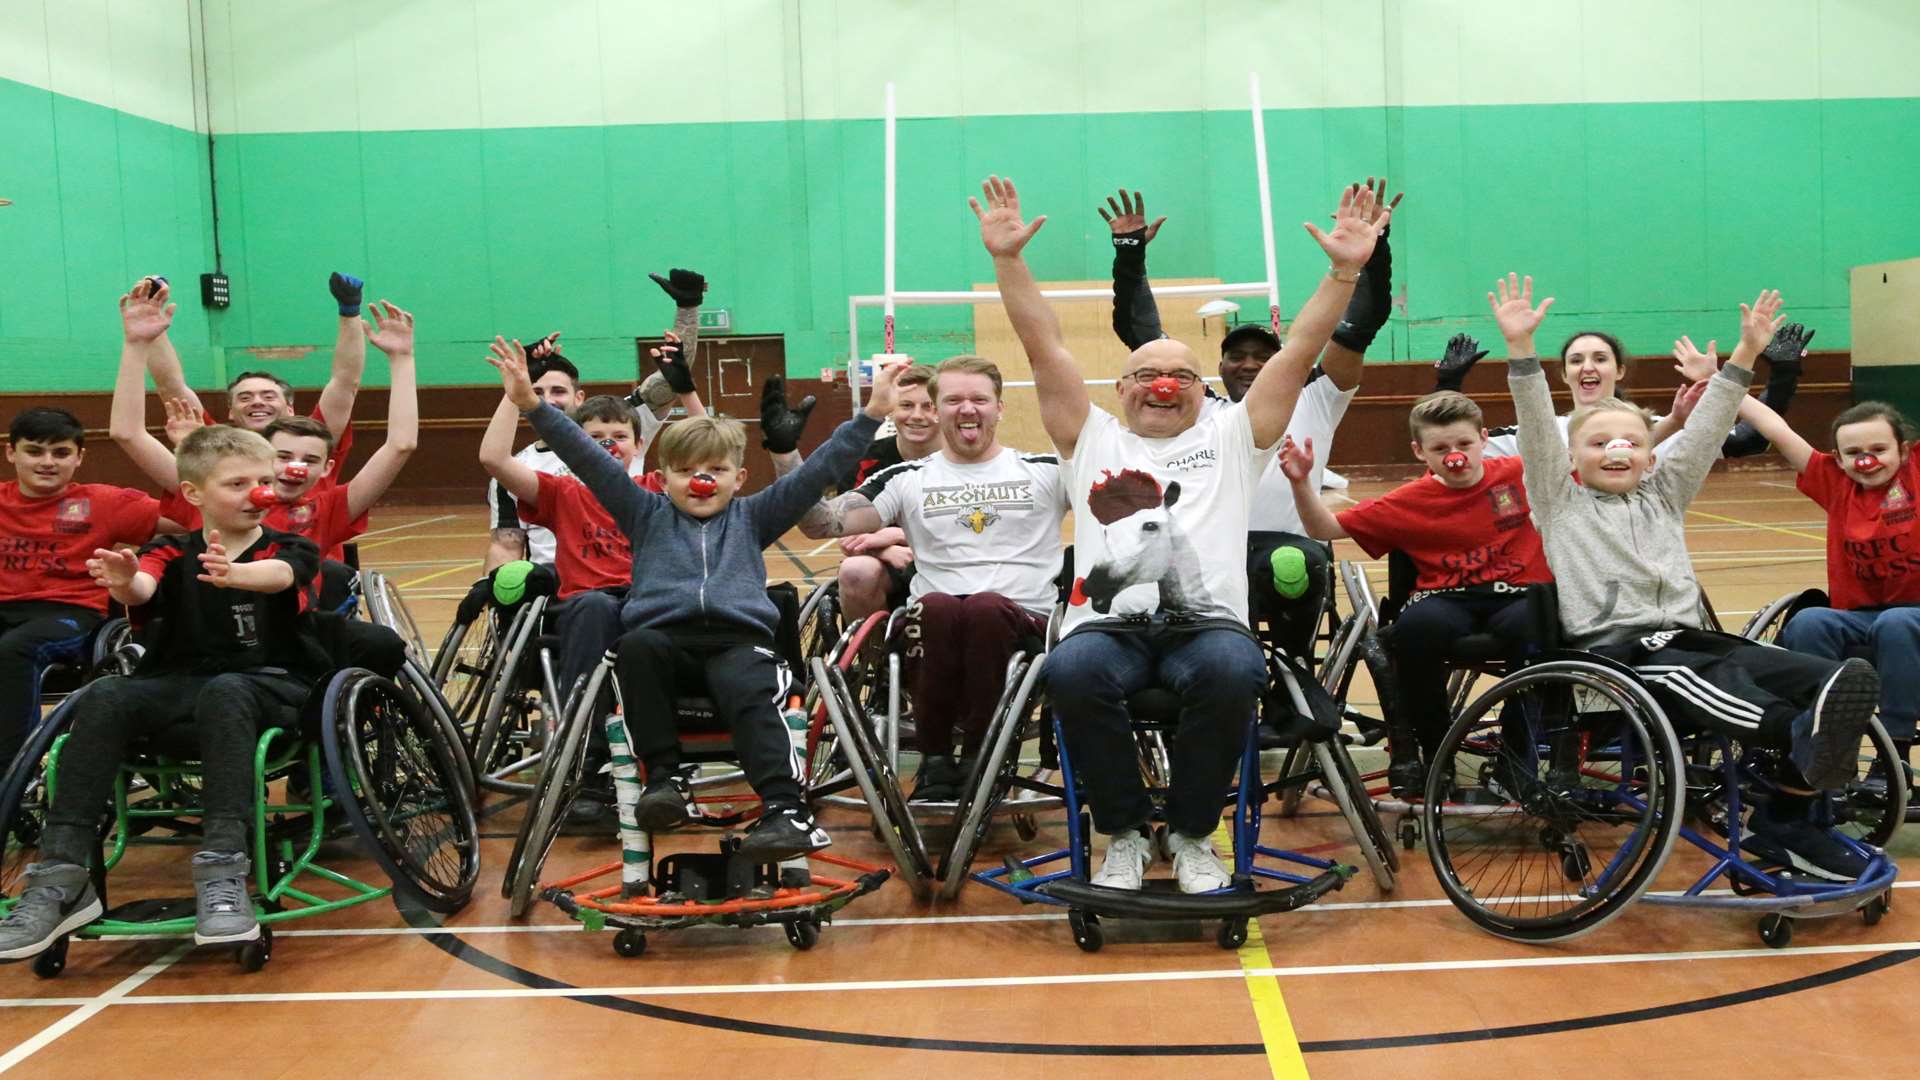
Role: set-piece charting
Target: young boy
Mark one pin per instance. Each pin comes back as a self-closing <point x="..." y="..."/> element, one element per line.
<point x="49" y="527"/>
<point x="1465" y="526"/>
<point x="1616" y="540"/>
<point x="698" y="605"/>
<point x="229" y="650"/>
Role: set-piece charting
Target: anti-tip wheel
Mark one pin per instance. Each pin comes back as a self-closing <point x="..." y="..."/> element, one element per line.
<point x="1776" y="930"/>
<point x="1086" y="930"/>
<point x="803" y="934"/>
<point x="53" y="960"/>
<point x="1874" y="910"/>
<point x="254" y="955"/>
<point x="1232" y="934"/>
<point x="629" y="943"/>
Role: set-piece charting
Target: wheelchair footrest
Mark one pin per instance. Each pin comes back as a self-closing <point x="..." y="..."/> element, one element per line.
<point x="151" y="910"/>
<point x="1244" y="902"/>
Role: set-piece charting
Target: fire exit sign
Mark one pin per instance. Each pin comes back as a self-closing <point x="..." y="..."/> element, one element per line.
<point x="716" y="319"/>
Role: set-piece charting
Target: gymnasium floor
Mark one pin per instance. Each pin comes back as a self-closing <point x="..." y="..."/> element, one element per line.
<point x="1359" y="985"/>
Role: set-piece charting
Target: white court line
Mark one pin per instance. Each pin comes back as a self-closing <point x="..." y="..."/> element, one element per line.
<point x="89" y="1008"/>
<point x="823" y="547"/>
<point x="409" y="525"/>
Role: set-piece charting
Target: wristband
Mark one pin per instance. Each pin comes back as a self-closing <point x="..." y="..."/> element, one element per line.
<point x="1335" y="273"/>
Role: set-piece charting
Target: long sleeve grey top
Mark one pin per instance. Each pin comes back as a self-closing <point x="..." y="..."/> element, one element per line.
<point x="1620" y="561"/>
<point x="709" y="571"/>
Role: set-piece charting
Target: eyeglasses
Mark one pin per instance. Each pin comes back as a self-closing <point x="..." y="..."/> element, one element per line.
<point x="1183" y="377"/>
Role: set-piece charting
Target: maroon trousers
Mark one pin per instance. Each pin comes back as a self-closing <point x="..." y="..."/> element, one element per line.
<point x="956" y="664"/>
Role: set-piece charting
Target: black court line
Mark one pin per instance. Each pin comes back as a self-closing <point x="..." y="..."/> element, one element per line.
<point x="461" y="950"/>
<point x="806" y="572"/>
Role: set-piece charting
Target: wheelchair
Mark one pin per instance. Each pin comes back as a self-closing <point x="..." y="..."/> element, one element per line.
<point x="362" y="748"/>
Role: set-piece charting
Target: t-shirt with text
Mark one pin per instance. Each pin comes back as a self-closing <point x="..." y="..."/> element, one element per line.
<point x="590" y="551"/>
<point x="1873" y="535"/>
<point x="45" y="543"/>
<point x="1456" y="537"/>
<point x="190" y="627"/>
<point x="1318" y="411"/>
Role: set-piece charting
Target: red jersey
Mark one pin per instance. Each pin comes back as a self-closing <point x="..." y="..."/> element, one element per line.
<point x="341" y="444"/>
<point x="1873" y="536"/>
<point x="1456" y="537"/>
<point x="45" y="543"/>
<point x="590" y="551"/>
<point x="320" y="517"/>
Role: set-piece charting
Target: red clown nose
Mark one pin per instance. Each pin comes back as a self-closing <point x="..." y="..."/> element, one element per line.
<point x="1866" y="463"/>
<point x="1455" y="462"/>
<point x="1164" y="388"/>
<point x="611" y="446"/>
<point x="296" y="472"/>
<point x="702" y="485"/>
<point x="263" y="497"/>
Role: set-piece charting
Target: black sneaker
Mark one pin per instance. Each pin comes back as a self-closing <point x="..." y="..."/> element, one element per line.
<point x="1406" y="776"/>
<point x="1801" y="844"/>
<point x="782" y="833"/>
<point x="1826" y="738"/>
<point x="665" y="802"/>
<point x="938" y="780"/>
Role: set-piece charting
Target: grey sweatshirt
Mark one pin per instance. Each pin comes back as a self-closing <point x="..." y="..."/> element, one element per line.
<point x="1620" y="561"/>
<point x="688" y="570"/>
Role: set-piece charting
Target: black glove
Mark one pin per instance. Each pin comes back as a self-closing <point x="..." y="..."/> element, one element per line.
<point x="673" y="367"/>
<point x="1788" y="343"/>
<point x="780" y="423"/>
<point x="1372" y="300"/>
<point x="1451" y="369"/>
<point x="685" y="286"/>
<point x="542" y="347"/>
<point x="346" y="291"/>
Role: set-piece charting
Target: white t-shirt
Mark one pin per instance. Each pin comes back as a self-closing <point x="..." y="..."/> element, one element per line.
<point x="1318" y="411"/>
<point x="504" y="512"/>
<point x="992" y="527"/>
<point x="1160" y="525"/>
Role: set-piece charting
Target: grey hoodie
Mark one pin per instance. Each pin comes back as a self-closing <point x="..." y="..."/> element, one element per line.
<point x="1620" y="561"/>
<point x="688" y="570"/>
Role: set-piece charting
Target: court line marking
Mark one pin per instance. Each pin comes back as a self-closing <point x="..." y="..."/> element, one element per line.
<point x="89" y="1008"/>
<point x="440" y="574"/>
<point x="1756" y="525"/>
<point x="409" y="525"/>
<point x="1284" y="1059"/>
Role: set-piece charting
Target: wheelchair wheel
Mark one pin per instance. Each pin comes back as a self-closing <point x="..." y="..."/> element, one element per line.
<point x="1873" y="805"/>
<point x="23" y="795"/>
<point x="1350" y="795"/>
<point x="858" y="659"/>
<point x="880" y="787"/>
<point x="419" y="684"/>
<point x="992" y="781"/>
<point x="460" y="668"/>
<point x="386" y="607"/>
<point x="1765" y="625"/>
<point x="400" y="787"/>
<point x="820" y="621"/>
<point x="502" y="742"/>
<point x="1565" y="768"/>
<point x="562" y="769"/>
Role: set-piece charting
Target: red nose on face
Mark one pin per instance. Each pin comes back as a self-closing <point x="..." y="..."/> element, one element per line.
<point x="1455" y="462"/>
<point x="611" y="446"/>
<point x="1866" y="463"/>
<point x="1164" y="389"/>
<point x="263" y="497"/>
<point x="702" y="486"/>
<point x="295" y="472"/>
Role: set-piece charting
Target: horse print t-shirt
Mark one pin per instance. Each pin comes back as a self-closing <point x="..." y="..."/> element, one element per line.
<point x="1160" y="525"/>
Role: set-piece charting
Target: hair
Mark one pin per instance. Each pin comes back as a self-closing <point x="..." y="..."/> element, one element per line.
<point x="286" y="388"/>
<point x="1442" y="408"/>
<point x="304" y="426"/>
<point x="1903" y="429"/>
<point x="701" y="439"/>
<point x="927" y="375"/>
<point x="1606" y="404"/>
<point x="962" y="365"/>
<point x="606" y="409"/>
<point x="1619" y="351"/>
<point x="551" y="363"/>
<point x="203" y="450"/>
<point x="43" y="425"/>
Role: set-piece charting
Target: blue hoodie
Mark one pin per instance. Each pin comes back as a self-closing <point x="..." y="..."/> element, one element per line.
<point x="693" y="570"/>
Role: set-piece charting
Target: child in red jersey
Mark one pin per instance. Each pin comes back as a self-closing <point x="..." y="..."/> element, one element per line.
<point x="230" y="651"/>
<point x="49" y="528"/>
<point x="1465" y="526"/>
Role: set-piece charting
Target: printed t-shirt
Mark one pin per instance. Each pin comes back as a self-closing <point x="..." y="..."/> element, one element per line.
<point x="1456" y="537"/>
<point x="1873" y="536"/>
<point x="45" y="543"/>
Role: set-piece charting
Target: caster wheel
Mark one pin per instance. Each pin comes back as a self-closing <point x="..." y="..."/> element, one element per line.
<point x="1025" y="827"/>
<point x="50" y="963"/>
<point x="1874" y="910"/>
<point x="1776" y="930"/>
<point x="629" y="943"/>
<point x="803" y="934"/>
<point x="254" y="955"/>
<point x="1409" y="833"/>
<point x="1575" y="863"/>
<point x="1233" y="933"/>
<point x="1086" y="930"/>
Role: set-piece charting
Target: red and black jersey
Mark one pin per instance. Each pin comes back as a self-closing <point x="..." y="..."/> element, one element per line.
<point x="45" y="543"/>
<point x="881" y="454"/>
<point x="190" y="627"/>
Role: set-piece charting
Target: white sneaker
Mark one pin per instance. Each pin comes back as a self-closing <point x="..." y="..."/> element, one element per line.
<point x="1125" y="867"/>
<point x="1195" y="866"/>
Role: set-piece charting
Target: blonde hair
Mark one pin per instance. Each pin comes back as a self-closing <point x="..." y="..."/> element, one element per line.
<point x="1605" y="405"/>
<point x="202" y="451"/>
<point x="1441" y="408"/>
<point x="701" y="439"/>
<point x="966" y="365"/>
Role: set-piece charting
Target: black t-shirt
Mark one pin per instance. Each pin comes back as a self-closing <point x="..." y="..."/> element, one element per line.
<point x="880" y="454"/>
<point x="192" y="628"/>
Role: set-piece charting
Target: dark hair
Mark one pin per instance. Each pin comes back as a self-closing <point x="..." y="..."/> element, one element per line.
<point x="43" y="425"/>
<point x="606" y="409"/>
<point x="549" y="364"/>
<point x="304" y="426"/>
<point x="1619" y="351"/>
<point x="286" y="388"/>
<point x="1903" y="429"/>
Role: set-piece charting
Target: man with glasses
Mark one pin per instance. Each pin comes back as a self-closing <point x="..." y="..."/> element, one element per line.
<point x="1161" y="506"/>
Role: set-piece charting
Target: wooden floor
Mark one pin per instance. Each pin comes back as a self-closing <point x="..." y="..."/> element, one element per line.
<point x="1360" y="985"/>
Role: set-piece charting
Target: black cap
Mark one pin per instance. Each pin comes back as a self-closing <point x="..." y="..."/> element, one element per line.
<point x="1249" y="330"/>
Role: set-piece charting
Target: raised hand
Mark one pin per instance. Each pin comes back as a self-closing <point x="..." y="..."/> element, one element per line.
<point x="510" y="360"/>
<point x="183" y="419"/>
<point x="113" y="568"/>
<point x="1514" y="312"/>
<point x="671" y="360"/>
<point x="1357" y="225"/>
<point x="1462" y="353"/>
<point x="215" y="563"/>
<point x="346" y="291"/>
<point x="1789" y="344"/>
<point x="1686" y="397"/>
<point x="145" y="313"/>
<point x="1296" y="461"/>
<point x="1002" y="229"/>
<point x="1759" y="320"/>
<point x="885" y="390"/>
<point x="1129" y="219"/>
<point x="1380" y="204"/>
<point x="392" y="329"/>
<point x="1692" y="364"/>
<point x="781" y="423"/>
<point x="545" y="347"/>
<point x="687" y="287"/>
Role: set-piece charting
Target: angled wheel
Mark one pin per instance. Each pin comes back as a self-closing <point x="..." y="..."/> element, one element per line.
<point x="562" y="769"/>
<point x="502" y="742"/>
<point x="24" y="795"/>
<point x="1343" y="784"/>
<point x="1873" y="805"/>
<point x="866" y="758"/>
<point x="992" y="781"/>
<point x="401" y="788"/>
<point x="420" y="685"/>
<point x="390" y="610"/>
<point x="460" y="668"/>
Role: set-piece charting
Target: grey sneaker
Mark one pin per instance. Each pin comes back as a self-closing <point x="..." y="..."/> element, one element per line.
<point x="56" y="899"/>
<point x="223" y="911"/>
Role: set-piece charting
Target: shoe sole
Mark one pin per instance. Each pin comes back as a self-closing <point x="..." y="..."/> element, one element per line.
<point x="658" y="818"/>
<point x="75" y="919"/>
<point x="782" y="854"/>
<point x="1840" y="717"/>
<point x="252" y="934"/>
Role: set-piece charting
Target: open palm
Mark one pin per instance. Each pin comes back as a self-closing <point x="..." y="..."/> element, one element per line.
<point x="1002" y="229"/>
<point x="144" y="311"/>
<point x="1356" y="228"/>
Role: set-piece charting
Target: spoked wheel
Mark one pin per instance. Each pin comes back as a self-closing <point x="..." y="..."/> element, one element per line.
<point x="507" y="729"/>
<point x="992" y="781"/>
<point x="867" y="760"/>
<point x="419" y="684"/>
<point x="24" y="795"/>
<point x="460" y="668"/>
<point x="1562" y="804"/>
<point x="401" y="787"/>
<point x="562" y="769"/>
<point x="1873" y="805"/>
<point x="390" y="610"/>
<point x="858" y="658"/>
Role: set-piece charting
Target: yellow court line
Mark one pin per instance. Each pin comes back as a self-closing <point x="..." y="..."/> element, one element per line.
<point x="1269" y="1007"/>
<point x="1758" y="525"/>
<point x="440" y="574"/>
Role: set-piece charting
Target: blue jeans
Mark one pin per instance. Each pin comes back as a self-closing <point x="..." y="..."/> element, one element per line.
<point x="1893" y="635"/>
<point x="1218" y="674"/>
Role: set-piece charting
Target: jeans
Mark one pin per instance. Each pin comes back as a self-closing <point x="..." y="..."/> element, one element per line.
<point x="1894" y="636"/>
